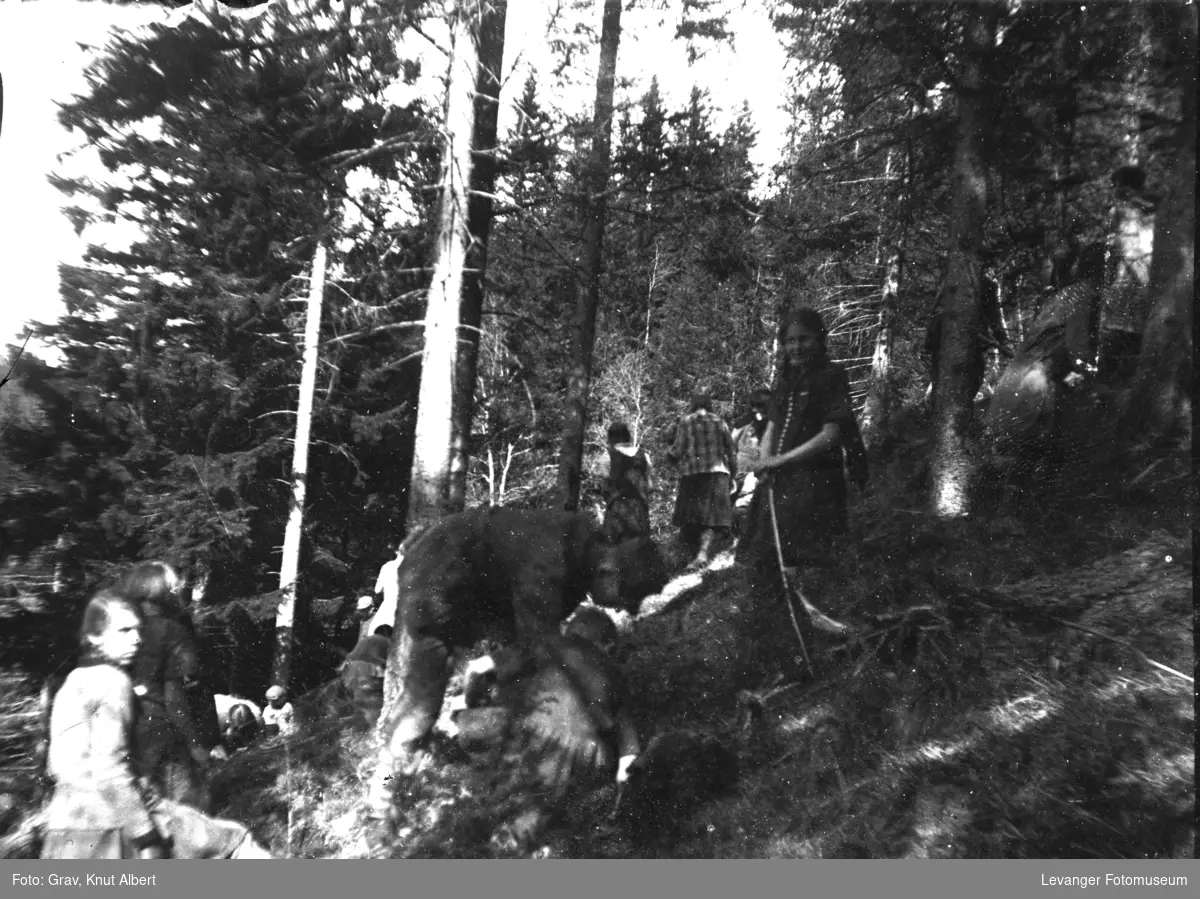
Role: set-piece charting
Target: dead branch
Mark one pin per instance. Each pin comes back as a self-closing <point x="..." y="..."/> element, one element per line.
<point x="20" y="352"/>
<point x="1141" y="655"/>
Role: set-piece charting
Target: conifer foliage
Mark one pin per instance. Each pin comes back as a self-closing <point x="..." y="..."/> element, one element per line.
<point x="233" y="142"/>
<point x="175" y="410"/>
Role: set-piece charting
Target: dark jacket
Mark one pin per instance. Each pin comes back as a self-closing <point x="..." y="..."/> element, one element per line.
<point x="166" y="670"/>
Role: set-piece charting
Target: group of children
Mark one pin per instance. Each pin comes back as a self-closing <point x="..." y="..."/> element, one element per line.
<point x="241" y="721"/>
<point x="779" y="478"/>
<point x="105" y="804"/>
<point x="716" y="475"/>
<point x="125" y="757"/>
<point x="132" y="728"/>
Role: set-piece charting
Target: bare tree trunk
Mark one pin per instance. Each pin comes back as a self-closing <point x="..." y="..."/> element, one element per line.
<point x="1137" y="94"/>
<point x="1066" y="45"/>
<point x="1125" y="302"/>
<point x="588" y="290"/>
<point x="489" y="35"/>
<point x="448" y="373"/>
<point x="1161" y="402"/>
<point x="429" y="490"/>
<point x="878" y="402"/>
<point x="60" y="555"/>
<point x="953" y="467"/>
<point x="289" y="611"/>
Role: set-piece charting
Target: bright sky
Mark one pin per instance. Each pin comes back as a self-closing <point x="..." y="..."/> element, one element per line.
<point x="42" y="62"/>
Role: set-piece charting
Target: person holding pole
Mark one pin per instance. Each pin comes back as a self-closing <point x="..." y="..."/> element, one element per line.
<point x="800" y="502"/>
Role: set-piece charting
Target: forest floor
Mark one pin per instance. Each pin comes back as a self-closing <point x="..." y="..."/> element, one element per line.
<point x="980" y="707"/>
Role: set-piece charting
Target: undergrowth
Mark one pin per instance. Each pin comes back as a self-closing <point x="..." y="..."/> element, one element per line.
<point x="977" y="709"/>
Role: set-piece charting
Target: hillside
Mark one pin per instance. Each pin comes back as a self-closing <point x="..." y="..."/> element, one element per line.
<point x="1010" y="687"/>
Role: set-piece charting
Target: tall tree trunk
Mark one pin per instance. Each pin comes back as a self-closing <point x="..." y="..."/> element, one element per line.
<point x="491" y="19"/>
<point x="953" y="466"/>
<point x="878" y="401"/>
<point x="429" y="490"/>
<point x="588" y="291"/>
<point x="447" y="392"/>
<point x="1066" y="112"/>
<point x="877" y="405"/>
<point x="1124" y="307"/>
<point x="1137" y="96"/>
<point x="1161" y="402"/>
<point x="289" y="611"/>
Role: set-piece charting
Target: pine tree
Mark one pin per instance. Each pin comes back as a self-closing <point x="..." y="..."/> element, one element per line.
<point x="186" y="339"/>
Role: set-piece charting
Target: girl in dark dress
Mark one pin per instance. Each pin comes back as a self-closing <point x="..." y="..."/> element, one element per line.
<point x="177" y="731"/>
<point x="627" y="488"/>
<point x="800" y="460"/>
<point x="801" y="450"/>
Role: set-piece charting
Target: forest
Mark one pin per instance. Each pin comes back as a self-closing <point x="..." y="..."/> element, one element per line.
<point x="355" y="304"/>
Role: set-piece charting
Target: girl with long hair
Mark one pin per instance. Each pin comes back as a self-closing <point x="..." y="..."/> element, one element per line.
<point x="800" y="463"/>
<point x="177" y="730"/>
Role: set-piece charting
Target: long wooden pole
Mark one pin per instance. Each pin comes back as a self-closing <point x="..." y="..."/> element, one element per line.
<point x="787" y="593"/>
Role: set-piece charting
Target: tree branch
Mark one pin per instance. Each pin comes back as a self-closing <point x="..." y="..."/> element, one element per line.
<point x="375" y="330"/>
<point x="20" y="352"/>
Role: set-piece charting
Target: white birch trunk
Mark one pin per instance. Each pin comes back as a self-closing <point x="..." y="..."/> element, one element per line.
<point x="285" y="616"/>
